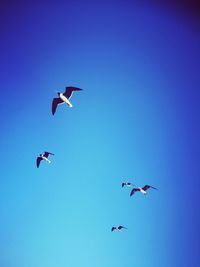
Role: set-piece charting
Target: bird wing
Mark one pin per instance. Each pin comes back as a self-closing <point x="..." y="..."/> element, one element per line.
<point x="133" y="191"/>
<point x="38" y="161"/>
<point x="55" y="102"/>
<point x="154" y="187"/>
<point x="46" y="154"/>
<point x="123" y="184"/>
<point x="69" y="90"/>
<point x="113" y="228"/>
<point x="121" y="227"/>
<point x="146" y="187"/>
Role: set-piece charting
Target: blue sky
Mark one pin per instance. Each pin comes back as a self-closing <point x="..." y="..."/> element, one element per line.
<point x="137" y="119"/>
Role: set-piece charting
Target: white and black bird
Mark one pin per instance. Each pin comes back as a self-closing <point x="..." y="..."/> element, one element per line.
<point x="43" y="156"/>
<point x="64" y="97"/>
<point x="118" y="228"/>
<point x="128" y="184"/>
<point x="143" y="189"/>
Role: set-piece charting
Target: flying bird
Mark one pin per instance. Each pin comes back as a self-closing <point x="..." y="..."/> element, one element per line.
<point x="64" y="97"/>
<point x="128" y="184"/>
<point x="43" y="156"/>
<point x="143" y="190"/>
<point x="118" y="228"/>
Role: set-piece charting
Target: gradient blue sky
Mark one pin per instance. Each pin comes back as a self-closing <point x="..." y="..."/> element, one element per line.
<point x="136" y="120"/>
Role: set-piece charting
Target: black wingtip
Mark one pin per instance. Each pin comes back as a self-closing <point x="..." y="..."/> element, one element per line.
<point x="74" y="88"/>
<point x="154" y="187"/>
<point x="53" y="111"/>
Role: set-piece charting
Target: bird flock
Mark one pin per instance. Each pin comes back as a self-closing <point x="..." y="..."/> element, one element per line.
<point x="64" y="98"/>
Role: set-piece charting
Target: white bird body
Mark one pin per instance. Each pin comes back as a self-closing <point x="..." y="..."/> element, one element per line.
<point x="142" y="191"/>
<point x="44" y="158"/>
<point x="65" y="99"/>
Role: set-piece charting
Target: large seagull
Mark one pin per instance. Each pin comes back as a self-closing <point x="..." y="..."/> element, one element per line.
<point x="143" y="189"/>
<point x="64" y="97"/>
<point x="43" y="156"/>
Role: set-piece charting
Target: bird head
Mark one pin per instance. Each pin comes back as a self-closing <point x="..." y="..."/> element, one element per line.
<point x="58" y="93"/>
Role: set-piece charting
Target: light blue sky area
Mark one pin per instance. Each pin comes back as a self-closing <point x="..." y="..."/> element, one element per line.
<point x="135" y="120"/>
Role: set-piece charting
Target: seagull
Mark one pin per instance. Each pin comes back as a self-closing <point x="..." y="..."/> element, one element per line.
<point x="128" y="184"/>
<point x="118" y="228"/>
<point x="143" y="190"/>
<point x="64" y="97"/>
<point x="43" y="156"/>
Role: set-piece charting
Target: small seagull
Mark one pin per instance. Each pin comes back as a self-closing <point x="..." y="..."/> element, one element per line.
<point x="118" y="228"/>
<point x="143" y="190"/>
<point x="43" y="156"/>
<point x="64" y="97"/>
<point x="128" y="184"/>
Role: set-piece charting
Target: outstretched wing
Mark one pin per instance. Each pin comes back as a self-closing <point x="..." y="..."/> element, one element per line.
<point x="38" y="161"/>
<point x="133" y="191"/>
<point x="46" y="154"/>
<point x="121" y="227"/>
<point x="146" y="187"/>
<point x="113" y="228"/>
<point x="55" y="103"/>
<point x="123" y="184"/>
<point x="69" y="90"/>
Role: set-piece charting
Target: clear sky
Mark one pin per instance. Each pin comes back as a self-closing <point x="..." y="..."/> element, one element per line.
<point x="137" y="120"/>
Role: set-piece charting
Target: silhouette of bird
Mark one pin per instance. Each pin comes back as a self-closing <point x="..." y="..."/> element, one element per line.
<point x="143" y="190"/>
<point x="118" y="228"/>
<point x="43" y="156"/>
<point x="64" y="98"/>
<point x="128" y="184"/>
